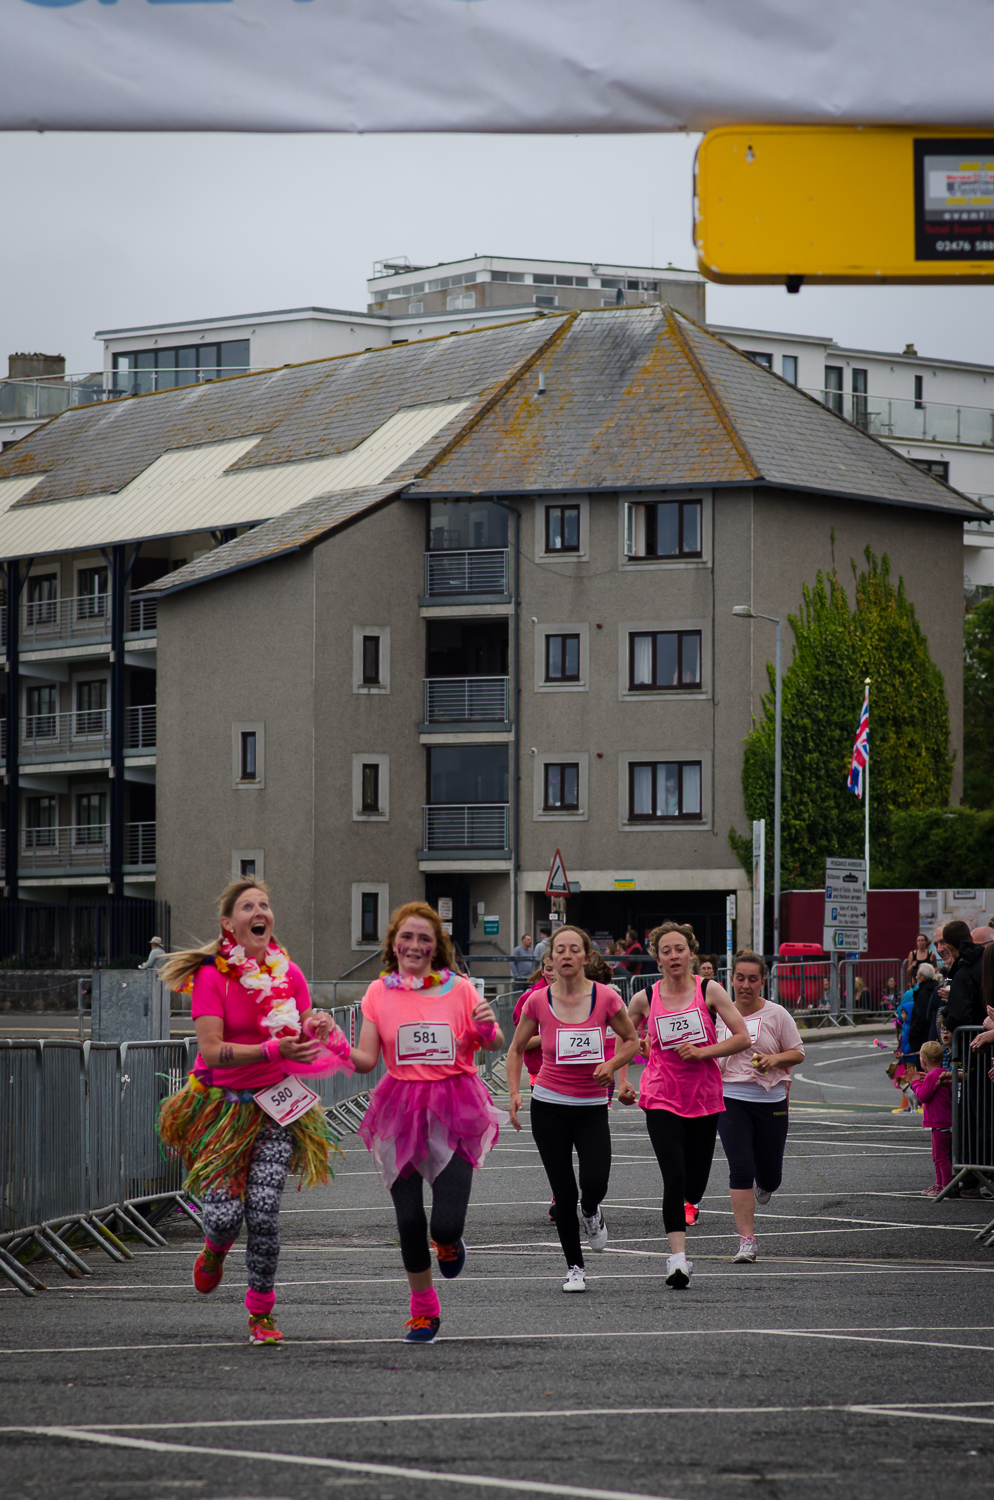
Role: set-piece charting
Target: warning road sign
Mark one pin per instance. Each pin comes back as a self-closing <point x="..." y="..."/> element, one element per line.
<point x="558" y="881"/>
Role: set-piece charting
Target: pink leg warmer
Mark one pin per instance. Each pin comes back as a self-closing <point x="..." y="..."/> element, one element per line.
<point x="218" y="1249"/>
<point x="260" y="1303"/>
<point x="425" y="1304"/>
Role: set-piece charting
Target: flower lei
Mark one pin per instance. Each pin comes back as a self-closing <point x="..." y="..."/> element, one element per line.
<point x="397" y="981"/>
<point x="268" y="982"/>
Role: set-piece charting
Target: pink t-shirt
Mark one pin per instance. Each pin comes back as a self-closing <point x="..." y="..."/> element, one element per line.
<point x="668" y="1082"/>
<point x="771" y="1029"/>
<point x="533" y="1057"/>
<point x="557" y="1073"/>
<point x="216" y="994"/>
<point x="417" y="1025"/>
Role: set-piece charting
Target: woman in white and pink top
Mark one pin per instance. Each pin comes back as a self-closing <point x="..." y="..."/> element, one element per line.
<point x="574" y="1016"/>
<point x="753" y="1128"/>
<point x="680" y="1090"/>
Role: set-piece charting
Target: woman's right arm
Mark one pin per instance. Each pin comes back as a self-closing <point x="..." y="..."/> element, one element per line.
<point x="638" y="1010"/>
<point x="366" y="1054"/>
<point x="217" y="1053"/>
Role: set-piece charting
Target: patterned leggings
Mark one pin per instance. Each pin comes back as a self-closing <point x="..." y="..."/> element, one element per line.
<point x="223" y="1213"/>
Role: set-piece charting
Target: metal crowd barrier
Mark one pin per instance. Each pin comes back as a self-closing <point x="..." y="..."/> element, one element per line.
<point x="973" y="1117"/>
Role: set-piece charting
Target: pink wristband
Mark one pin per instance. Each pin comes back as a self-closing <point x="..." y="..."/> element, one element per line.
<point x="487" y="1030"/>
<point x="271" y="1049"/>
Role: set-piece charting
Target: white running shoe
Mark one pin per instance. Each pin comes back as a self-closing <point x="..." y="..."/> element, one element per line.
<point x="596" y="1229"/>
<point x="762" y="1196"/>
<point x="678" y="1271"/>
<point x="576" y="1280"/>
<point x="746" y="1253"/>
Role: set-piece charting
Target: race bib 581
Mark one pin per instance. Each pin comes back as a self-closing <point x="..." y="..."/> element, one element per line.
<point x="425" y="1042"/>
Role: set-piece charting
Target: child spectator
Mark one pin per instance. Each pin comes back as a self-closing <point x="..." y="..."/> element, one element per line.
<point x="933" y="1089"/>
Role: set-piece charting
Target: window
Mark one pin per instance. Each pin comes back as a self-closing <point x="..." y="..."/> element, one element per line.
<point x="91" y="707"/>
<point x="143" y="370"/>
<point x="415" y="307"/>
<point x="937" y="466"/>
<point x="247" y="761"/>
<point x="833" y="388"/>
<point x="766" y="360"/>
<point x="671" y="528"/>
<point x="789" y="367"/>
<point x="40" y="720"/>
<point x="562" y="528"/>
<point x="919" y="392"/>
<point x="246" y="868"/>
<point x="562" y="658"/>
<point x="663" y="791"/>
<point x="43" y="593"/>
<point x="248" y="864"/>
<point x="371" y="660"/>
<point x="41" y="816"/>
<point x="91" y="818"/>
<point x="91" y="594"/>
<point x="541" y="301"/>
<point x="507" y="275"/>
<point x="460" y="300"/>
<point x="661" y="659"/>
<point x="467" y="773"/>
<point x="370" y="917"/>
<point x="860" y="411"/>
<point x="562" y="787"/>
<point x="370" y="800"/>
<point x="459" y="525"/>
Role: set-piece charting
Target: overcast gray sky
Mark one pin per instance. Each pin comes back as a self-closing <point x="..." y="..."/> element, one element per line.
<point x="104" y="231"/>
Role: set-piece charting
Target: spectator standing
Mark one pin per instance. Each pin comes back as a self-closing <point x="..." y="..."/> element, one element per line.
<point x="921" y="953"/>
<point x="922" y="1008"/>
<point x="544" y="934"/>
<point x="156" y="956"/>
<point x="632" y="947"/>
<point x="522" y="960"/>
<point x="932" y="1088"/>
<point x="965" y="1005"/>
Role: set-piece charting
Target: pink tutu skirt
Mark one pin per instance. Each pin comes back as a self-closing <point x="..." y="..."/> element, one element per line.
<point x="422" y="1125"/>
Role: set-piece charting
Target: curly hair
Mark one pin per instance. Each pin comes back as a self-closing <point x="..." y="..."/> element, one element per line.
<point x="443" y="957"/>
<point x="684" y="929"/>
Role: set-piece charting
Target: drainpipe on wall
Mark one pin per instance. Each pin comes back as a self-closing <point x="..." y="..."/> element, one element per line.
<point x="516" y="727"/>
<point x="12" y="791"/>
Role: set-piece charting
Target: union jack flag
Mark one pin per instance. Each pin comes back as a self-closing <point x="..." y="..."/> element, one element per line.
<point x="861" y="749"/>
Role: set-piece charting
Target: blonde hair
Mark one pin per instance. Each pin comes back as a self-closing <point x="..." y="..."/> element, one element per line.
<point x="746" y="956"/>
<point x="443" y="957"/>
<point x="180" y="967"/>
<point x="931" y="1054"/>
<point x="685" y="930"/>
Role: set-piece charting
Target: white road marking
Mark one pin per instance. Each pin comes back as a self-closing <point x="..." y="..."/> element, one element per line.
<point x="393" y="1471"/>
<point x="849" y="1087"/>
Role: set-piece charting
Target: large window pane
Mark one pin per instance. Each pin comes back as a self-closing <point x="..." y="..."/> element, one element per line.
<point x="667" y="529"/>
<point x="555" y="647"/>
<point x="690" y="651"/>
<point x="641" y="660"/>
<point x="459" y="525"/>
<point x="572" y="645"/>
<point x="667" y="659"/>
<point x="571" y="786"/>
<point x="553" y="786"/>
<point x="642" y="791"/>
<point x="692" y="526"/>
<point x="467" y="773"/>
<point x="691" y="788"/>
<point x="667" y="789"/>
<point x="235" y="355"/>
<point x="186" y="369"/>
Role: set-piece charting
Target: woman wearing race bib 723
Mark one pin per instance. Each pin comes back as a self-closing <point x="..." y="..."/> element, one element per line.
<point x="574" y="1017"/>
<point x="430" y="1118"/>
<point x="680" y="1090"/>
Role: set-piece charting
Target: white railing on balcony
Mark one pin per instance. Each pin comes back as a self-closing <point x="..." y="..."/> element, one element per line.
<point x="465" y="700"/>
<point x="902" y="417"/>
<point x="477" y="572"/>
<point x="466" y="825"/>
<point x="45" y="622"/>
<point x="84" y="846"/>
<point x="47" y="736"/>
<point x="139" y="727"/>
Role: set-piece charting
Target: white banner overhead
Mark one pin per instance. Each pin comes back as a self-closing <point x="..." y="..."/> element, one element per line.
<point x="491" y="65"/>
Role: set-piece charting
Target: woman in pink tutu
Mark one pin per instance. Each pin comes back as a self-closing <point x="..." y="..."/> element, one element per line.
<point x="430" y="1118"/>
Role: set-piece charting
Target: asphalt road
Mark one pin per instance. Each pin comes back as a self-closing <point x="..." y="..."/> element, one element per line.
<point x="851" y="1360"/>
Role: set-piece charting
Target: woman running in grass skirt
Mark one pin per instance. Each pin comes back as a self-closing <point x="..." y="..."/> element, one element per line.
<point x="255" y="1026"/>
<point x="574" y="1016"/>
<point x="753" y="1128"/>
<point x="680" y="1090"/>
<point x="430" y="1119"/>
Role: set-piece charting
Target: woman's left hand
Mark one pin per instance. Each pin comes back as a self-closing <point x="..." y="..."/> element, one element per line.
<point x="484" y="1014"/>
<point x="322" y="1023"/>
<point x="764" y="1061"/>
<point x="690" y="1052"/>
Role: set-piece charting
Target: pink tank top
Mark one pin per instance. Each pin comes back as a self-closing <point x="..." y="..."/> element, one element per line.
<point x="669" y="1082"/>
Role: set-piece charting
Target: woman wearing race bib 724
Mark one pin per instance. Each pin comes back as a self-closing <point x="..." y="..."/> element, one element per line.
<point x="431" y="1118"/>
<point x="574" y="1017"/>
<point x="680" y="1090"/>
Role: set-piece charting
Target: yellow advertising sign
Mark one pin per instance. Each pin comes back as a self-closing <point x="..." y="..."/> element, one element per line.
<point x="844" y="203"/>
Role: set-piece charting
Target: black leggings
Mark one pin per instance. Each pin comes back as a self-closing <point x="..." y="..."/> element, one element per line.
<point x="557" y="1129"/>
<point x="684" y="1148"/>
<point x="754" y="1134"/>
<point x="449" y="1202"/>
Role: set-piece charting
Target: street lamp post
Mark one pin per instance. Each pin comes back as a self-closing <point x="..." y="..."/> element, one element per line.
<point x="745" y="612"/>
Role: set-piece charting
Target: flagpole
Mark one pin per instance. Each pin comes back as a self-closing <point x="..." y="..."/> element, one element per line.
<point x="866" y="795"/>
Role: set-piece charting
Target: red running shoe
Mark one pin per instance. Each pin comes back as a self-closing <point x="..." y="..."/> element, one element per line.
<point x="208" y="1269"/>
<point x="691" y="1213"/>
<point x="263" y="1329"/>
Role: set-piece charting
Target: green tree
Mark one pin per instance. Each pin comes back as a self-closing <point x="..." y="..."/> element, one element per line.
<point x="978" y="706"/>
<point x="835" y="649"/>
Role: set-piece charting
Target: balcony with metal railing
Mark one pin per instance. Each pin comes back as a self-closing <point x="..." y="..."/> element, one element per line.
<point x="472" y="825"/>
<point x="481" y="571"/>
<point x="39" y="398"/>
<point x="892" y="417"/>
<point x="466" y="700"/>
<point x="63" y="622"/>
<point x="81" y="848"/>
<point x="82" y="733"/>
